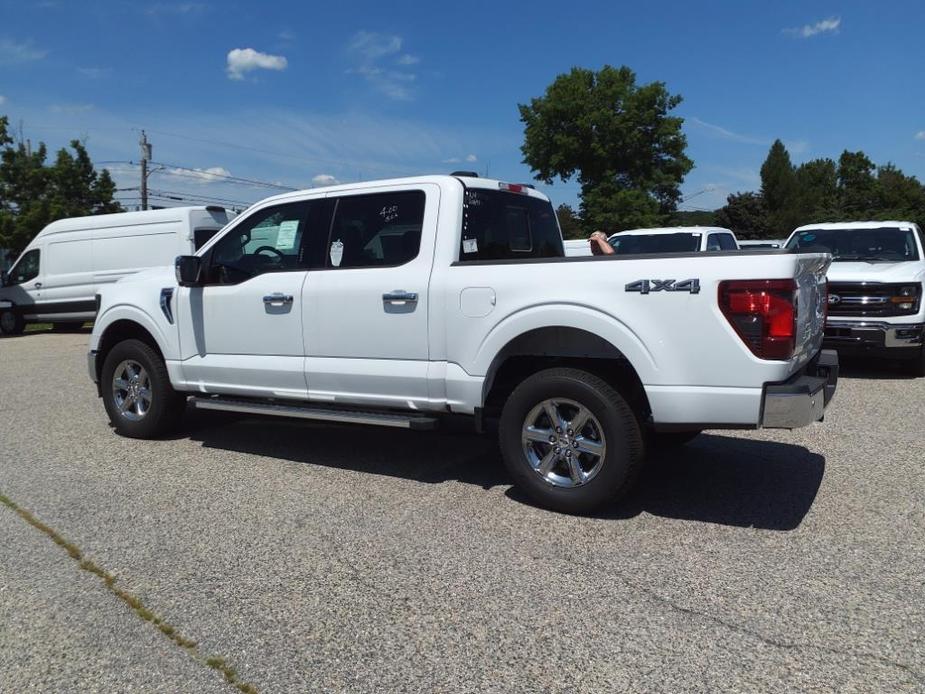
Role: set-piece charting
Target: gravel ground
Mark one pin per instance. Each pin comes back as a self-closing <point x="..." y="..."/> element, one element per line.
<point x="332" y="558"/>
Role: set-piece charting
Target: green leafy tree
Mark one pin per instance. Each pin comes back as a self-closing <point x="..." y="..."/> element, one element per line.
<point x="616" y="137"/>
<point x="570" y="223"/>
<point x="747" y="215"/>
<point x="817" y="191"/>
<point x="33" y="193"/>
<point x="857" y="185"/>
<point x="779" y="190"/>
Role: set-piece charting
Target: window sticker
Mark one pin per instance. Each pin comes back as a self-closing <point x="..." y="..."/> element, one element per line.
<point x="470" y="246"/>
<point x="389" y="213"/>
<point x="285" y="237"/>
<point x="337" y="252"/>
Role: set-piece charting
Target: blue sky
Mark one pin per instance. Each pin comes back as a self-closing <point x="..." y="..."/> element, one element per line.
<point x="302" y="92"/>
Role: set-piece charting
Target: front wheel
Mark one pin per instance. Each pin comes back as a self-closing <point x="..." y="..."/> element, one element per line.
<point x="11" y="323"/>
<point x="137" y="394"/>
<point x="570" y="441"/>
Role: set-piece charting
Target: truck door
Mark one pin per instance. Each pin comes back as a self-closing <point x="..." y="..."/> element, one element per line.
<point x="366" y="307"/>
<point x="241" y="332"/>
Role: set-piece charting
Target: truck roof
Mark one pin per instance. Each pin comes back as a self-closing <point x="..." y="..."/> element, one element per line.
<point x="102" y="221"/>
<point x="468" y="181"/>
<point x="855" y="225"/>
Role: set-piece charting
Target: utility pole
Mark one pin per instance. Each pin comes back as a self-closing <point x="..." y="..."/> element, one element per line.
<point x="145" y="156"/>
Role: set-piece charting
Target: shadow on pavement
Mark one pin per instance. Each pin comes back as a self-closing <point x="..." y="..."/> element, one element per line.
<point x="714" y="479"/>
<point x="873" y="369"/>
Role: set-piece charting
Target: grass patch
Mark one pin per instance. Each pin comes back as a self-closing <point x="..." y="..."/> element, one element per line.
<point x="135" y="603"/>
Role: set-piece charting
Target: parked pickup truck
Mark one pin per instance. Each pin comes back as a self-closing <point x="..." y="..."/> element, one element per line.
<point x="661" y="240"/>
<point x="875" y="288"/>
<point x="399" y="302"/>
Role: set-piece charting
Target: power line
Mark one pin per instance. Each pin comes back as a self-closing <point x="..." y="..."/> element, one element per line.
<point x="202" y="174"/>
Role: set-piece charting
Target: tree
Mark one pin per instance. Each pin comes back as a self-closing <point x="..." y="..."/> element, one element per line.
<point x="817" y="191"/>
<point x="857" y="186"/>
<point x="746" y="214"/>
<point x="570" y="223"/>
<point x="617" y="137"/>
<point x="779" y="190"/>
<point x="33" y="194"/>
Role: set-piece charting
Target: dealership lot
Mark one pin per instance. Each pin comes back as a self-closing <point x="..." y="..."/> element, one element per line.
<point x="322" y="557"/>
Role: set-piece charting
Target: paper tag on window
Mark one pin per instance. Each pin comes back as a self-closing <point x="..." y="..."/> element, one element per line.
<point x="337" y="252"/>
<point x="285" y="237"/>
<point x="470" y="246"/>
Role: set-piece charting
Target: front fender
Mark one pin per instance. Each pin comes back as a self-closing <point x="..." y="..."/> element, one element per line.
<point x="129" y="312"/>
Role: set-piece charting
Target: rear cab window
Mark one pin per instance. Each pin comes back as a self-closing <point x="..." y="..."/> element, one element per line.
<point x="502" y="225"/>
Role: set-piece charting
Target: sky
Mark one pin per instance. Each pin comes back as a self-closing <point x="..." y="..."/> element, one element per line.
<point x="300" y="94"/>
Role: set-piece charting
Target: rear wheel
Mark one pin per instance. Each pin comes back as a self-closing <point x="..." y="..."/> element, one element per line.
<point x="11" y="323"/>
<point x="570" y="441"/>
<point x="137" y="392"/>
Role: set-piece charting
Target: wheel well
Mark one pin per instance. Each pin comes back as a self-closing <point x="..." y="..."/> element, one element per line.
<point x="119" y="331"/>
<point x="548" y="348"/>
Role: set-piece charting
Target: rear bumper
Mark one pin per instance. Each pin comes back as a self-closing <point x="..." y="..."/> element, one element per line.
<point x="801" y="399"/>
<point x="874" y="338"/>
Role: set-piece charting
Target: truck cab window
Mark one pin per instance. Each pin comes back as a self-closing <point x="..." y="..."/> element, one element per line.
<point x="499" y="225"/>
<point x="270" y="240"/>
<point x="26" y="269"/>
<point x="377" y="230"/>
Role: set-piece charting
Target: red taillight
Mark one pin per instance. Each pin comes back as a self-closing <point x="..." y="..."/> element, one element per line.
<point x="763" y="313"/>
<point x="513" y="187"/>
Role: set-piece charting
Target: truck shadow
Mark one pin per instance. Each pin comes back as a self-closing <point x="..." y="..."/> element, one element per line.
<point x="874" y="369"/>
<point x="715" y="479"/>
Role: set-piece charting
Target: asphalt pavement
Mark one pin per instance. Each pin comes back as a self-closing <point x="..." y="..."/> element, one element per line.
<point x="302" y="557"/>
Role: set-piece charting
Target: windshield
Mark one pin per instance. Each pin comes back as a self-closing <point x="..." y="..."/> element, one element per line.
<point x="887" y="244"/>
<point x="655" y="243"/>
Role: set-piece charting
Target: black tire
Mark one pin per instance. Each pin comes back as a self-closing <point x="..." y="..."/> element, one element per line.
<point x="666" y="440"/>
<point x="165" y="405"/>
<point x="615" y="472"/>
<point x="11" y="323"/>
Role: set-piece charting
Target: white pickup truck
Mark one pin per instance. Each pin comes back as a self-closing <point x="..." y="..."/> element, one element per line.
<point x="876" y="306"/>
<point x="400" y="302"/>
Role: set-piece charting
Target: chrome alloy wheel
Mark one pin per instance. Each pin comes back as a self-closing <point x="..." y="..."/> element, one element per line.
<point x="563" y="442"/>
<point x="131" y="390"/>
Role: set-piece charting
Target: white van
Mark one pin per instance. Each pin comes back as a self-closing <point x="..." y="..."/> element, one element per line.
<point x="56" y="277"/>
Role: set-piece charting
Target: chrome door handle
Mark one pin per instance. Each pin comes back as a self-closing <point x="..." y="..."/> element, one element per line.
<point x="400" y="296"/>
<point x="277" y="298"/>
<point x="37" y="285"/>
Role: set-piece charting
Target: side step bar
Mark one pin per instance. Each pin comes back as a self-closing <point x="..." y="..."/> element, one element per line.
<point x="382" y="419"/>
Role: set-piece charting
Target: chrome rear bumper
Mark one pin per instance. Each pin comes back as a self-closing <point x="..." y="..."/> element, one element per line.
<point x="801" y="399"/>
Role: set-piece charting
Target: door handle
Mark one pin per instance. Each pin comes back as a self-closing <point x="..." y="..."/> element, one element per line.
<point x="400" y="296"/>
<point x="277" y="298"/>
<point x="37" y="285"/>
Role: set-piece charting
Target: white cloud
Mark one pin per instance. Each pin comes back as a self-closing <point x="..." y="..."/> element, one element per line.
<point x="471" y="158"/>
<point x="175" y="8"/>
<point x="212" y="174"/>
<point x="823" y="26"/>
<point x="286" y="35"/>
<point x="324" y="180"/>
<point x="244" y="60"/>
<point x="15" y="52"/>
<point x="372" y="46"/>
<point x="95" y="73"/>
<point x="370" y="51"/>
<point x="70" y="109"/>
<point x="2" y="99"/>
<point x="717" y="131"/>
<point x="920" y="135"/>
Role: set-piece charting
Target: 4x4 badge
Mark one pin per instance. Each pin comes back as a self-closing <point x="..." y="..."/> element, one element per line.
<point x="649" y="286"/>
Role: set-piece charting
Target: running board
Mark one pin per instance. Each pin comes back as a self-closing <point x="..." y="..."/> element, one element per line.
<point x="382" y="419"/>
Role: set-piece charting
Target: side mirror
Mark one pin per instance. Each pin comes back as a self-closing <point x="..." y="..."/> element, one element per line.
<point x="188" y="269"/>
<point x="4" y="278"/>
